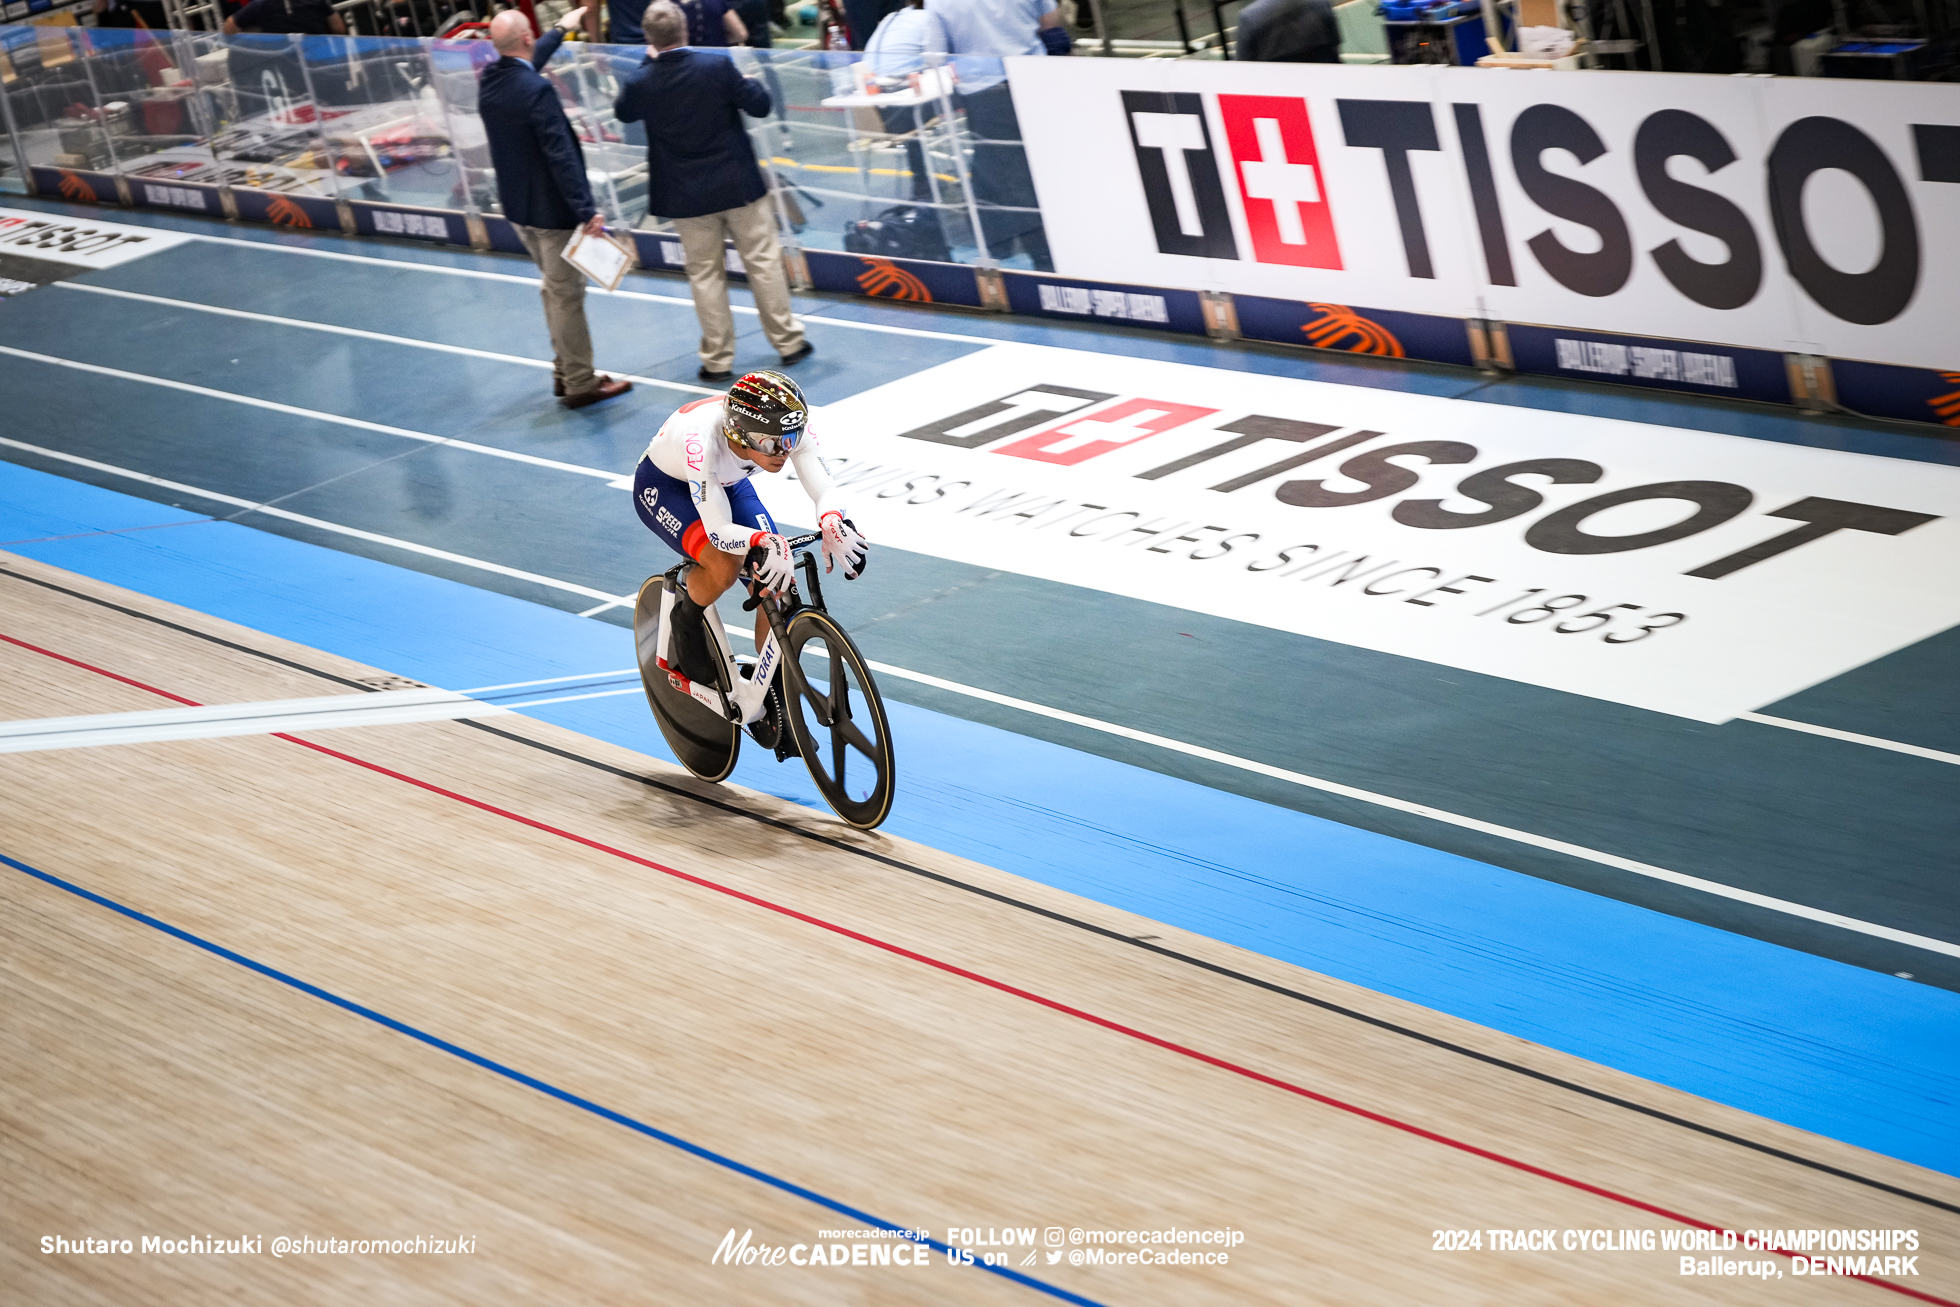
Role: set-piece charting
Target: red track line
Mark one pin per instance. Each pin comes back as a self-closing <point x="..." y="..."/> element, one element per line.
<point x="90" y="667"/>
<point x="1005" y="988"/>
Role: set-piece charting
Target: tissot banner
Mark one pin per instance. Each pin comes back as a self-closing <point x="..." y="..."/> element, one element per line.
<point x="83" y="243"/>
<point x="1813" y="216"/>
<point x="1681" y="571"/>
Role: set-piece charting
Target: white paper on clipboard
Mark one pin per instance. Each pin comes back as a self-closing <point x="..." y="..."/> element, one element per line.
<point x="605" y="258"/>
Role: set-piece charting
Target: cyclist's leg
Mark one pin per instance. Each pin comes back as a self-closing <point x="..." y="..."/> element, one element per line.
<point x="667" y="509"/>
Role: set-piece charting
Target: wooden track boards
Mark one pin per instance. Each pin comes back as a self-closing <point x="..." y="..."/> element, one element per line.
<point x="156" y="1088"/>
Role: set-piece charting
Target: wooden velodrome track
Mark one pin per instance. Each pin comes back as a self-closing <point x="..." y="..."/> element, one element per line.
<point x="607" y="990"/>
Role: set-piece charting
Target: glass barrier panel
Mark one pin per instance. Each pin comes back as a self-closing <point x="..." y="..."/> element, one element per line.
<point x="50" y="104"/>
<point x="917" y="158"/>
<point x="587" y="78"/>
<point x="380" y="121"/>
<point x="896" y="158"/>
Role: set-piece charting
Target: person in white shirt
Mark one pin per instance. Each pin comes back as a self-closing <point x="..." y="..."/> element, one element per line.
<point x="692" y="489"/>
<point x="985" y="32"/>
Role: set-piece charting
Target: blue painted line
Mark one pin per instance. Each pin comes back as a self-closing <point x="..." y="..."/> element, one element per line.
<point x="1838" y="1050"/>
<point x="529" y="1082"/>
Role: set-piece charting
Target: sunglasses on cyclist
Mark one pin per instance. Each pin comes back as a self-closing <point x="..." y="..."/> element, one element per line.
<point x="766" y="444"/>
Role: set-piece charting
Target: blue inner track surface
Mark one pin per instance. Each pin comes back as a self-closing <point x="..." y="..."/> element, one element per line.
<point x="1836" y="1049"/>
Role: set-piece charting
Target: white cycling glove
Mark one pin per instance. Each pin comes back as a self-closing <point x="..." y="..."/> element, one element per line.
<point x="842" y="543"/>
<point x="776" y="569"/>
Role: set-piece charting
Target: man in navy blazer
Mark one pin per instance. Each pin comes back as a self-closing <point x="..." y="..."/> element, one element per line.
<point x="542" y="187"/>
<point x="701" y="173"/>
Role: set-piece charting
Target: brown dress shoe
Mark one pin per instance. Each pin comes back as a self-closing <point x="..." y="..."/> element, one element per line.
<point x="607" y="388"/>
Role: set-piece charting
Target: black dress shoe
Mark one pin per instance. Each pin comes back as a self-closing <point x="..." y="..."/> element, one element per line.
<point x="558" y="387"/>
<point x="606" y="389"/>
<point x="709" y="374"/>
<point x="791" y="360"/>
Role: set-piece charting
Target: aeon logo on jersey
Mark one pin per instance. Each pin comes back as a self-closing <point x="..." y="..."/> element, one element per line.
<point x="1274" y="164"/>
<point x="1081" y="439"/>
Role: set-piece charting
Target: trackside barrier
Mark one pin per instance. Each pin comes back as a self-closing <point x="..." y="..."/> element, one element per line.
<point x="1736" y="237"/>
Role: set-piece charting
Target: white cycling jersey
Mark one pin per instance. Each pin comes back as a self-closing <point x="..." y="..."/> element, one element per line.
<point x="690" y="447"/>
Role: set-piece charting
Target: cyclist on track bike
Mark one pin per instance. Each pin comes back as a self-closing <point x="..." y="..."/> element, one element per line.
<point x="692" y="490"/>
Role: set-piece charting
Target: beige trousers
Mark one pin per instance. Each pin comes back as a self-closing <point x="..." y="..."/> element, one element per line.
<point x="564" y="308"/>
<point x="753" y="229"/>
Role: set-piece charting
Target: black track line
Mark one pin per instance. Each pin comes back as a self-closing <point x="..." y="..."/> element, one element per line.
<point x="1077" y="923"/>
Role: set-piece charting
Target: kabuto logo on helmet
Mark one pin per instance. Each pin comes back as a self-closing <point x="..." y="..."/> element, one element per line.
<point x="792" y="419"/>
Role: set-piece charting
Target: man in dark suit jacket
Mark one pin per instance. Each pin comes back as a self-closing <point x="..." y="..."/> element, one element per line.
<point x="701" y="173"/>
<point x="542" y="187"/>
<point x="1289" y="32"/>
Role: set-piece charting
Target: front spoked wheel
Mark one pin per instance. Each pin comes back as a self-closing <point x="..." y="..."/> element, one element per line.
<point x="838" y="720"/>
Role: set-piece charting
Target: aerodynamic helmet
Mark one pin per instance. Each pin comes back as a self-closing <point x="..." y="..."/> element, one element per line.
<point x="766" y="412"/>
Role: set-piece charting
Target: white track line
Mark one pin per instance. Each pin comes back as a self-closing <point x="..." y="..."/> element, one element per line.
<point x="1851" y="737"/>
<point x="616" y="479"/>
<point x="360" y="334"/>
<point x="553" y="680"/>
<point x="215" y="721"/>
<point x="334" y="527"/>
<point x="1423" y="810"/>
<point x="481" y="275"/>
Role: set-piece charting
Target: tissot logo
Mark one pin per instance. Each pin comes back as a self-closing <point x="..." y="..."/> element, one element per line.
<point x="1274" y="164"/>
<point x="1083" y="438"/>
<point x="1280" y="180"/>
<point x="1180" y="174"/>
<point x="997" y="418"/>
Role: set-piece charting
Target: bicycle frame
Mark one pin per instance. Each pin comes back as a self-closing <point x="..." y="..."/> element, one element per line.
<point x="749" y="700"/>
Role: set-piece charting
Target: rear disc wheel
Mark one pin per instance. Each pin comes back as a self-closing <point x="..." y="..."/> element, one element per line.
<point x="705" y="742"/>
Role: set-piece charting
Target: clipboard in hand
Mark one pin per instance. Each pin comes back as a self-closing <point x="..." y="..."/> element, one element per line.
<point x="606" y="258"/>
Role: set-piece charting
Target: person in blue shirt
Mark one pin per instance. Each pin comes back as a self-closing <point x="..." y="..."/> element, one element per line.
<point x="991" y="30"/>
<point x="897" y="47"/>
<point x="702" y="174"/>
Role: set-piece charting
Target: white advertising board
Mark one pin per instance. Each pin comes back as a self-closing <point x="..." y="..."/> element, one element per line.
<point x="1815" y="217"/>
<point x="1689" y="573"/>
<point x="83" y="243"/>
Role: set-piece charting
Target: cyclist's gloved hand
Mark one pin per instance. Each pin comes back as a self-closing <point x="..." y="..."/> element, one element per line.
<point x="770" y="561"/>
<point x="842" y="543"/>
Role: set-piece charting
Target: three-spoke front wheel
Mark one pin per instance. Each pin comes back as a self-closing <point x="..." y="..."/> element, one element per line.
<point x="839" y="720"/>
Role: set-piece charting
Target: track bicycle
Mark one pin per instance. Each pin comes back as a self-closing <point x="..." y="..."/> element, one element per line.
<point x="807" y="692"/>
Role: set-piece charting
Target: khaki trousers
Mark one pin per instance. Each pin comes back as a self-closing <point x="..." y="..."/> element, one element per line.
<point x="753" y="229"/>
<point x="564" y="308"/>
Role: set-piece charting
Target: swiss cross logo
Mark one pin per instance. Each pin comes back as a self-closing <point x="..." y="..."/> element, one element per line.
<point x="1280" y="180"/>
<point x="1083" y="438"/>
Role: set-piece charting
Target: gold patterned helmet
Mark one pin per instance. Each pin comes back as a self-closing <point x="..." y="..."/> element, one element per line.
<point x="766" y="412"/>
